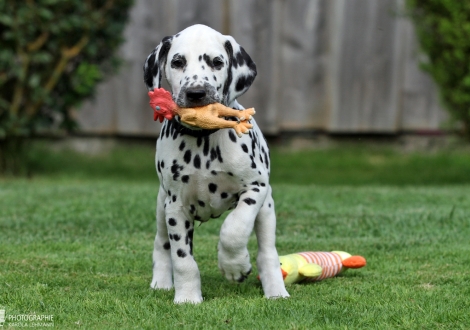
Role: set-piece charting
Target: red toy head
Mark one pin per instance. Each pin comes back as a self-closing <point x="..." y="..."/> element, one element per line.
<point x="162" y="104"/>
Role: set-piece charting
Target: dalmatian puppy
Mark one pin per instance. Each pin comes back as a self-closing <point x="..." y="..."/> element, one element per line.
<point x="204" y="173"/>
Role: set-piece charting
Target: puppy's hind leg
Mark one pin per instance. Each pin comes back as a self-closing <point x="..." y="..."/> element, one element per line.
<point x="162" y="266"/>
<point x="268" y="259"/>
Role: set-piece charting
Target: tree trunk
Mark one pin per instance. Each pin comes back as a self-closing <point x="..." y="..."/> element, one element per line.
<point x="13" y="160"/>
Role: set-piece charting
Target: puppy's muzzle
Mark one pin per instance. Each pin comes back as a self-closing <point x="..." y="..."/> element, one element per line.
<point x="195" y="94"/>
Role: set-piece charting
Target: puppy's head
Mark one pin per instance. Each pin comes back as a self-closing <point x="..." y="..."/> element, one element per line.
<point x="201" y="66"/>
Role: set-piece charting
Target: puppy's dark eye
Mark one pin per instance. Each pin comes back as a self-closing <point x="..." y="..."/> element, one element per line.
<point x="178" y="63"/>
<point x="217" y="62"/>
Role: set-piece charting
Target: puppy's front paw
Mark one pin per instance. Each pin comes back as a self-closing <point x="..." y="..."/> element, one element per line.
<point x="234" y="266"/>
<point x="161" y="284"/>
<point x="188" y="298"/>
<point x="162" y="277"/>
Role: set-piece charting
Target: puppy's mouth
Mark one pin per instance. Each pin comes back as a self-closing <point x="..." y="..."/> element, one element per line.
<point x="194" y="97"/>
<point x="197" y="96"/>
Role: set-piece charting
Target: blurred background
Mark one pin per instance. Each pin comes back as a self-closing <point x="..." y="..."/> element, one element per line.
<point x="71" y="71"/>
<point x="330" y="66"/>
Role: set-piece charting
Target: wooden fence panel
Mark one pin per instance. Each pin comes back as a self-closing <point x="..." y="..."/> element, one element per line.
<point x="420" y="108"/>
<point x="303" y="99"/>
<point x="364" y="90"/>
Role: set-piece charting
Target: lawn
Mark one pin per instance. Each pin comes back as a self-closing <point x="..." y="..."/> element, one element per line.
<point x="76" y="242"/>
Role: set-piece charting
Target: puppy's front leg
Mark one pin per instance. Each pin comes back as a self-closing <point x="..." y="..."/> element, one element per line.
<point x="185" y="271"/>
<point x="162" y="269"/>
<point x="234" y="259"/>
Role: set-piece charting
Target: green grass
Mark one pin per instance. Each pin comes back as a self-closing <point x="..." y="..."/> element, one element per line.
<point x="76" y="242"/>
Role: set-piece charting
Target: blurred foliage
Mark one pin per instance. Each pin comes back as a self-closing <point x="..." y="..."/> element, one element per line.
<point x="443" y="28"/>
<point x="52" y="55"/>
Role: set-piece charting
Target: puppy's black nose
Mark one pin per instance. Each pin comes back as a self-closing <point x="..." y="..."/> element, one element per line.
<point x="195" y="94"/>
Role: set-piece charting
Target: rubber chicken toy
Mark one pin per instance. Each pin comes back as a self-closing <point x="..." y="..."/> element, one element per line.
<point x="316" y="266"/>
<point x="210" y="116"/>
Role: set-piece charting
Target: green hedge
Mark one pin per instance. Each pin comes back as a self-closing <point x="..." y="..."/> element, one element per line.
<point x="443" y="29"/>
<point x="52" y="55"/>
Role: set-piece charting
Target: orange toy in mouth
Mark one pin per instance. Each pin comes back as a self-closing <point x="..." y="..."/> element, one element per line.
<point x="210" y="116"/>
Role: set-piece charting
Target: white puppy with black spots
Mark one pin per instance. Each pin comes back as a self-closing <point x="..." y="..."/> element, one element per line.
<point x="204" y="173"/>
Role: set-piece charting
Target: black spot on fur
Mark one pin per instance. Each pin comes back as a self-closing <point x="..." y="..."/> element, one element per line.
<point x="213" y="154"/>
<point x="200" y="57"/>
<point x="192" y="208"/>
<point x="229" y="49"/>
<point x="224" y="195"/>
<point x="174" y="198"/>
<point x="219" y="154"/>
<point x="245" y="148"/>
<point x="167" y="246"/>
<point x="239" y="59"/>
<point x="213" y="172"/>
<point x="185" y="178"/>
<point x="197" y="161"/>
<point x="181" y="253"/>
<point x="249" y="201"/>
<point x="206" y="145"/>
<point x="187" y="156"/>
<point x="195" y="77"/>
<point x="176" y="237"/>
<point x="172" y="222"/>
<point x="182" y="145"/>
<point x="151" y="70"/>
<point x="190" y="233"/>
<point x="255" y="189"/>
<point x="230" y="173"/>
<point x="201" y="203"/>
<point x="255" y="183"/>
<point x="189" y="240"/>
<point x="212" y="187"/>
<point x="232" y="136"/>
<point x="208" y="164"/>
<point x="175" y="169"/>
<point x="244" y="82"/>
<point x="262" y="184"/>
<point x="187" y="224"/>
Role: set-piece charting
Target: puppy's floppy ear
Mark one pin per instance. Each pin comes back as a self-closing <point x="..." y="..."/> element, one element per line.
<point x="241" y="70"/>
<point x="155" y="64"/>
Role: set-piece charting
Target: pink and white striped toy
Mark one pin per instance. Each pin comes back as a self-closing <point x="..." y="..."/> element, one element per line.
<point x="316" y="266"/>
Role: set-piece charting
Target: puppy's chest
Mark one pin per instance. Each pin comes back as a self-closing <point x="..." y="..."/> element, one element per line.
<point x="203" y="175"/>
<point x="208" y="195"/>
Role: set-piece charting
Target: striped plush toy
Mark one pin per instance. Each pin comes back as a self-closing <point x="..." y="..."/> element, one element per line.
<point x="316" y="266"/>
